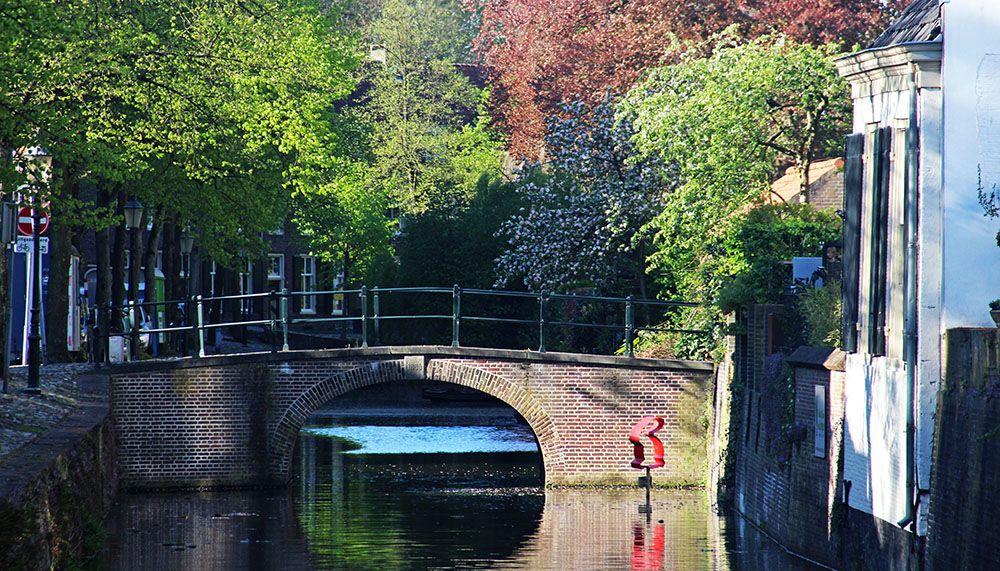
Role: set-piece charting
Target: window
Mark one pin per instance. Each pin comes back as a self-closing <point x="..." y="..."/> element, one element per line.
<point x="275" y="272"/>
<point x="308" y="284"/>
<point x="819" y="423"/>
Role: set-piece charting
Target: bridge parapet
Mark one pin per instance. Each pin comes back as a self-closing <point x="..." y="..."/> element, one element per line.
<point x="234" y="420"/>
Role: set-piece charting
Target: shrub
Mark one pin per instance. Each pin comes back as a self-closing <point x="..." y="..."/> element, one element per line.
<point x="821" y="310"/>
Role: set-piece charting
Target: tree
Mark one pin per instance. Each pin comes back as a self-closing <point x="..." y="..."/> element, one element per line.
<point x="418" y="107"/>
<point x="585" y="208"/>
<point x="211" y="113"/>
<point x="545" y="53"/>
<point x="727" y="122"/>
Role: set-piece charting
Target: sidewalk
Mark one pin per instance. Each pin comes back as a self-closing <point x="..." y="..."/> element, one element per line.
<point x="24" y="417"/>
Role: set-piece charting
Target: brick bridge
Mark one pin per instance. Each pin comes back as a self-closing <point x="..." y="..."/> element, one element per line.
<point x="234" y="420"/>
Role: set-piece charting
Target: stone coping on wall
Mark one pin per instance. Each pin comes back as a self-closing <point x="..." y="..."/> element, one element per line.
<point x="23" y="466"/>
<point x="402" y="351"/>
<point x="818" y="358"/>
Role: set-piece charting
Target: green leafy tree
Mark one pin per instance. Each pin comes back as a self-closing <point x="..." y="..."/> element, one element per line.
<point x="727" y="123"/>
<point x="430" y="139"/>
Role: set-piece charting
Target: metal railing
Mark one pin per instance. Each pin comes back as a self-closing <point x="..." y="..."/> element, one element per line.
<point x="276" y="318"/>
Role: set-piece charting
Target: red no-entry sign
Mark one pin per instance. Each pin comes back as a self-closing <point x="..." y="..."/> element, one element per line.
<point x="25" y="220"/>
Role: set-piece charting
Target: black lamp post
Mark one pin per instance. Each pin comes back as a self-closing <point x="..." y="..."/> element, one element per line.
<point x="187" y="244"/>
<point x="43" y="163"/>
<point x="133" y="218"/>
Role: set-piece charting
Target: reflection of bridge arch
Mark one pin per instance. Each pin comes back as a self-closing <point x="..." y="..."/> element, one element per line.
<point x="290" y="421"/>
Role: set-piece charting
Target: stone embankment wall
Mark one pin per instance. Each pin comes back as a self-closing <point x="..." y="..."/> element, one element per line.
<point x="55" y="491"/>
<point x="234" y="421"/>
<point x="786" y="477"/>
<point x="965" y="480"/>
<point x="781" y="419"/>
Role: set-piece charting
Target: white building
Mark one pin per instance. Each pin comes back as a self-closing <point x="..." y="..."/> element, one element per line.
<point x="920" y="255"/>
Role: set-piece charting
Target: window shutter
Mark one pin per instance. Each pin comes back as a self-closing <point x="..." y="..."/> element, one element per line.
<point x="322" y="284"/>
<point x="879" y="244"/>
<point x="853" y="181"/>
<point x="296" y="283"/>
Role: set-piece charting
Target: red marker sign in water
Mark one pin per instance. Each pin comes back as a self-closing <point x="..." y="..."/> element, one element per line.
<point x="646" y="427"/>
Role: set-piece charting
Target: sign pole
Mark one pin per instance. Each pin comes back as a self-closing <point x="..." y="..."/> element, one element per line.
<point x="34" y="335"/>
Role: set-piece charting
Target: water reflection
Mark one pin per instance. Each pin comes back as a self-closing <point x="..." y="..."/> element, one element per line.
<point x="428" y="511"/>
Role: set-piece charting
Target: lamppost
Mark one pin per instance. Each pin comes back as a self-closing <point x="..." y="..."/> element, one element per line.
<point x="187" y="244"/>
<point x="43" y="162"/>
<point x="133" y="218"/>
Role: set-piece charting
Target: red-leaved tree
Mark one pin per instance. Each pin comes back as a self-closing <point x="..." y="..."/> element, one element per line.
<point x="542" y="54"/>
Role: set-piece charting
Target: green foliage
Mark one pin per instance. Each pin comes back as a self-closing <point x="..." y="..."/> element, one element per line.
<point x="750" y="265"/>
<point x="418" y="107"/>
<point x="725" y="124"/>
<point x="821" y="310"/>
<point x="211" y="114"/>
<point x="441" y="248"/>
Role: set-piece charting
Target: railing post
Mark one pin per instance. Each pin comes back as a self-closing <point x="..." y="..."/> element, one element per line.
<point x="364" y="316"/>
<point x="134" y="344"/>
<point x="375" y="309"/>
<point x="284" y="319"/>
<point x="629" y="327"/>
<point x="456" y="314"/>
<point x="542" y="299"/>
<point x="199" y="326"/>
<point x="272" y="312"/>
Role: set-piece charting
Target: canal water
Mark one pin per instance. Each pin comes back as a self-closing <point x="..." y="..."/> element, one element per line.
<point x="455" y="491"/>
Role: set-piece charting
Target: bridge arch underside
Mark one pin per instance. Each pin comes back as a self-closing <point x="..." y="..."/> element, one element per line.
<point x="285" y="434"/>
<point x="234" y="421"/>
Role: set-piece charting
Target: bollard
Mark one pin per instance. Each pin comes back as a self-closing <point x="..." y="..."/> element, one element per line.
<point x="272" y="311"/>
<point x="375" y="317"/>
<point x="456" y="314"/>
<point x="199" y="326"/>
<point x="284" y="319"/>
<point x="629" y="327"/>
<point x="542" y="299"/>
<point x="364" y="316"/>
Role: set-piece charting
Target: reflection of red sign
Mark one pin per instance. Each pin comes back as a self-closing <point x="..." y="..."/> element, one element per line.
<point x="25" y="221"/>
<point x="648" y="557"/>
<point x="647" y="427"/>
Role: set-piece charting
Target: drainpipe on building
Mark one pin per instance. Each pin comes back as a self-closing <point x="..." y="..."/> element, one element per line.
<point x="910" y="296"/>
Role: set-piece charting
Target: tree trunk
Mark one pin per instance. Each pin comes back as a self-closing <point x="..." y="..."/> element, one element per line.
<point x="171" y="270"/>
<point x="118" y="260"/>
<point x="149" y="267"/>
<point x="57" y="296"/>
<point x="102" y="243"/>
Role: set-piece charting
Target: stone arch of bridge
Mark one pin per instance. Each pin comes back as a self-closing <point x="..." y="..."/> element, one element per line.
<point x="290" y="422"/>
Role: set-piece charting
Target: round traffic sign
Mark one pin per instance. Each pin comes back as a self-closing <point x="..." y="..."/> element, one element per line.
<point x="25" y="221"/>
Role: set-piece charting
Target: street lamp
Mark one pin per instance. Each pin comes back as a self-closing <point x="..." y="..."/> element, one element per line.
<point x="187" y="244"/>
<point x="133" y="218"/>
<point x="43" y="162"/>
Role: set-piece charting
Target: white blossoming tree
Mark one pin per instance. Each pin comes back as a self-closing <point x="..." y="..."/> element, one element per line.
<point x="587" y="205"/>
